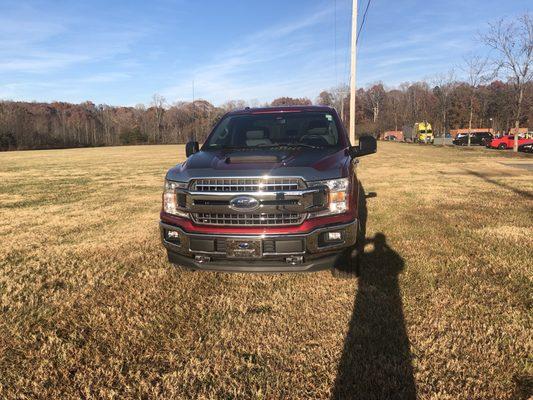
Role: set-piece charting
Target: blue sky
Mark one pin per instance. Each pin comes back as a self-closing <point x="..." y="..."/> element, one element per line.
<point x="122" y="52"/>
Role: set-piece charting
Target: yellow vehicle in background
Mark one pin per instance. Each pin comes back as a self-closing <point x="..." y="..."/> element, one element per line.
<point x="420" y="132"/>
<point x="423" y="132"/>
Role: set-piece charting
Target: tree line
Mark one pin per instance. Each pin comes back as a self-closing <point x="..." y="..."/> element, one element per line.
<point x="447" y="106"/>
<point x="26" y="125"/>
<point x="496" y="91"/>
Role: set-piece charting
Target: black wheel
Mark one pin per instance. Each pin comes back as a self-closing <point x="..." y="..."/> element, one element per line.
<point x="502" y="146"/>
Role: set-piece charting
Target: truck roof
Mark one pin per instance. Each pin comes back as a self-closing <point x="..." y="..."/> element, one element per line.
<point x="281" y="109"/>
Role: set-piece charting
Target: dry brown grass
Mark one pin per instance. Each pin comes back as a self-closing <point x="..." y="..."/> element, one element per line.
<point x="90" y="307"/>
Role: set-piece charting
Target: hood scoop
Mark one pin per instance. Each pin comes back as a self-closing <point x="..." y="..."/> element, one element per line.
<point x="252" y="159"/>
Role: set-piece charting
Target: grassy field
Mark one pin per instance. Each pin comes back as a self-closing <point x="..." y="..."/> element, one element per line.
<point x="90" y="308"/>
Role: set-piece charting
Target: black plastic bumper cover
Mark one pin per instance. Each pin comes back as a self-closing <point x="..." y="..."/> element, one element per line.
<point x="316" y="255"/>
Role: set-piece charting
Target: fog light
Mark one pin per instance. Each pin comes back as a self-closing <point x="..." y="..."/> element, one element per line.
<point x="333" y="236"/>
<point x="173" y="235"/>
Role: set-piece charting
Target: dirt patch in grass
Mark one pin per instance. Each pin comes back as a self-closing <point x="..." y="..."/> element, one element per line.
<point x="91" y="308"/>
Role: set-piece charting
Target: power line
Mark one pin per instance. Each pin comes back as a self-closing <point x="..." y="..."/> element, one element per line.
<point x="363" y="20"/>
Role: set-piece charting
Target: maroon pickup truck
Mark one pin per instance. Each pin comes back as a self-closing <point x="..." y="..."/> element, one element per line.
<point x="270" y="190"/>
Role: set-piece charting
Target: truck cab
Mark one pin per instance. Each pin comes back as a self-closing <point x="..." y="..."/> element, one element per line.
<point x="270" y="190"/>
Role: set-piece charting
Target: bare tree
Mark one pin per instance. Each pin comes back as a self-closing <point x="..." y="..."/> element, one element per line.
<point x="158" y="102"/>
<point x="376" y="95"/>
<point x="340" y="94"/>
<point x="231" y="105"/>
<point x="394" y="105"/>
<point x="105" y="115"/>
<point x="325" y="98"/>
<point x="475" y="68"/>
<point x="444" y="85"/>
<point x="513" y="40"/>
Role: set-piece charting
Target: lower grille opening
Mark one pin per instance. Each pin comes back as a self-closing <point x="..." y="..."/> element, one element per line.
<point x="269" y="246"/>
<point x="220" y="245"/>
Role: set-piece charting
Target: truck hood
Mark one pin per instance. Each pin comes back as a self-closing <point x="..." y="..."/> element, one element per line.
<point x="310" y="164"/>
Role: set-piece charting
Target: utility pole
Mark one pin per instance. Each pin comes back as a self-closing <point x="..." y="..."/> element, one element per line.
<point x="193" y="114"/>
<point x="353" y="72"/>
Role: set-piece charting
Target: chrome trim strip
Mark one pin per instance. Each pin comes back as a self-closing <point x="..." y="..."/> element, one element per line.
<point x="259" y="193"/>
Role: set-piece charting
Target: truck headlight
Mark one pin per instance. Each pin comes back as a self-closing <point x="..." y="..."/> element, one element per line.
<point x="170" y="199"/>
<point x="337" y="196"/>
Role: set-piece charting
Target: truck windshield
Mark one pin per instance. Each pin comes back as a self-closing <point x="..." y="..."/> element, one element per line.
<point x="306" y="129"/>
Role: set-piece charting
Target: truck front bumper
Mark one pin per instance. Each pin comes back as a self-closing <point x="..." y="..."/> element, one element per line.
<point x="312" y="251"/>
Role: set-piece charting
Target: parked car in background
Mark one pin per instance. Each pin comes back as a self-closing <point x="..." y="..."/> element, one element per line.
<point x="477" y="138"/>
<point x="526" y="148"/>
<point x="507" y="141"/>
<point x="485" y="141"/>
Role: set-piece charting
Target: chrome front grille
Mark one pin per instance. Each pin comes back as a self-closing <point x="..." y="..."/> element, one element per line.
<point x="249" y="219"/>
<point x="281" y="200"/>
<point x="247" y="184"/>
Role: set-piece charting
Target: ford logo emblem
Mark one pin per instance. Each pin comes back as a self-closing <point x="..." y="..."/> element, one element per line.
<point x="244" y="203"/>
<point x="244" y="245"/>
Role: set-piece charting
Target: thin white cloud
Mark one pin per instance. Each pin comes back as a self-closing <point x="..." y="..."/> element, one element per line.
<point x="104" y="77"/>
<point x="235" y="72"/>
<point x="392" y="61"/>
<point x="42" y="62"/>
<point x="37" y="41"/>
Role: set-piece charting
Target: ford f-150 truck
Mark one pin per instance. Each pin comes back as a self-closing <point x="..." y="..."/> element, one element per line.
<point x="270" y="190"/>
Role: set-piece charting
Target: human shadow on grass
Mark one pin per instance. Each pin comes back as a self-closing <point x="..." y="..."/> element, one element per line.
<point x="376" y="359"/>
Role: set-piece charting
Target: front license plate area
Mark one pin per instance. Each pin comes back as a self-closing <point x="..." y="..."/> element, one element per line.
<point x="243" y="248"/>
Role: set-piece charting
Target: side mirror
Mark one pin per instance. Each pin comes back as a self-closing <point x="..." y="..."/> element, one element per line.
<point x="191" y="148"/>
<point x="367" y="145"/>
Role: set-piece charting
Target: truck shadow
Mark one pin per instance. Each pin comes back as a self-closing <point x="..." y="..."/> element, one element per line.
<point x="376" y="359"/>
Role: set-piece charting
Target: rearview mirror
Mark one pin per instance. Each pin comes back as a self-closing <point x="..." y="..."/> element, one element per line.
<point x="191" y="148"/>
<point x="367" y="145"/>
